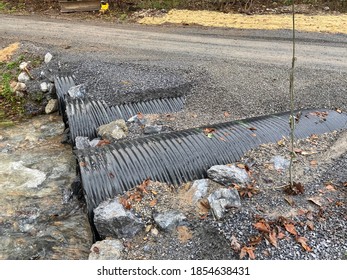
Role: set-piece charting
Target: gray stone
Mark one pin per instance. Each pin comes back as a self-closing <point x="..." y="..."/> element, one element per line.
<point x="113" y="131"/>
<point x="23" y="77"/>
<point x="79" y="91"/>
<point x="133" y="119"/>
<point x="44" y="87"/>
<point x="150" y="129"/>
<point x="227" y="175"/>
<point x="48" y="57"/>
<point x="82" y="142"/>
<point x="52" y="106"/>
<point x="112" y="220"/>
<point x="280" y="163"/>
<point x="222" y="199"/>
<point x="168" y="220"/>
<point x="20" y="87"/>
<point x="198" y="190"/>
<point x="109" y="249"/>
<point x="23" y="65"/>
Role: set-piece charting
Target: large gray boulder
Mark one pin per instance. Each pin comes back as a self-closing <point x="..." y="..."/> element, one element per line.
<point x="228" y="174"/>
<point x="112" y="220"/>
<point x="113" y="131"/>
<point x="223" y="199"/>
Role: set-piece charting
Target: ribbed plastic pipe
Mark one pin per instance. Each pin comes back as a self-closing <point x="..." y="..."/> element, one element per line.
<point x="85" y="115"/>
<point x="186" y="155"/>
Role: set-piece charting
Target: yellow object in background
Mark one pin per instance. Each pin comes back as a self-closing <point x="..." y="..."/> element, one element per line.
<point x="104" y="6"/>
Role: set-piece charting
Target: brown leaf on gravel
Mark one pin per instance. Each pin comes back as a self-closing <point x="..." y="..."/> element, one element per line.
<point x="289" y="200"/>
<point x="103" y="142"/>
<point x="313" y="163"/>
<point x="281" y="235"/>
<point x="235" y="245"/>
<point x="291" y="229"/>
<point x="153" y="202"/>
<point x="302" y="241"/>
<point x="140" y="116"/>
<point x="310" y="225"/>
<point x="296" y="189"/>
<point x="316" y="200"/>
<point x="227" y="114"/>
<point x="249" y="251"/>
<point x="330" y="187"/>
<point x="255" y="240"/>
<point x="272" y="238"/>
<point x="262" y="226"/>
<point x="126" y="204"/>
<point x="142" y="187"/>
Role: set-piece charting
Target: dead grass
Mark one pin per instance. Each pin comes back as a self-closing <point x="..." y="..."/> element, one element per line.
<point x="309" y="23"/>
<point x="6" y="53"/>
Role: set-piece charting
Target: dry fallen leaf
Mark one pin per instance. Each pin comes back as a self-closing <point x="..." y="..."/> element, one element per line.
<point x="272" y="238"/>
<point x="310" y="225"/>
<point x="235" y="245"/>
<point x="255" y="240"/>
<point x="316" y="200"/>
<point x="249" y="251"/>
<point x="281" y="235"/>
<point x="252" y="128"/>
<point x="313" y="162"/>
<point x="289" y="200"/>
<point x="302" y="241"/>
<point x="153" y="202"/>
<point x="226" y="114"/>
<point x="291" y="229"/>
<point x="330" y="187"/>
<point x="296" y="189"/>
<point x="262" y="226"/>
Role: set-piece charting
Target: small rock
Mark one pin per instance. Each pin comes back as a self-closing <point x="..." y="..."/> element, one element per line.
<point x="23" y="77"/>
<point x="94" y="142"/>
<point x="82" y="142"/>
<point x="326" y="8"/>
<point x="52" y="106"/>
<point x="44" y="87"/>
<point x="109" y="249"/>
<point x="23" y="65"/>
<point x="154" y="232"/>
<point x="79" y="91"/>
<point x="48" y="57"/>
<point x="198" y="190"/>
<point x="227" y="175"/>
<point x="169" y="220"/>
<point x="20" y="87"/>
<point x="280" y="163"/>
<point x="222" y="199"/>
<point x="19" y="94"/>
<point x="112" y="220"/>
<point x="150" y="129"/>
<point x="113" y="131"/>
<point x="133" y="119"/>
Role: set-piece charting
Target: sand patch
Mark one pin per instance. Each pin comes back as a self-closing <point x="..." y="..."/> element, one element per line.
<point x="6" y="53"/>
<point x="309" y="23"/>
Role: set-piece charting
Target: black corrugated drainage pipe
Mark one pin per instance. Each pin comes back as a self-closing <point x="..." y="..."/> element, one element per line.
<point x="186" y="155"/>
<point x="85" y="115"/>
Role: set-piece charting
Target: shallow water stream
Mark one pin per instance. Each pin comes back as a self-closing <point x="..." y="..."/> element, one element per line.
<point x="39" y="217"/>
